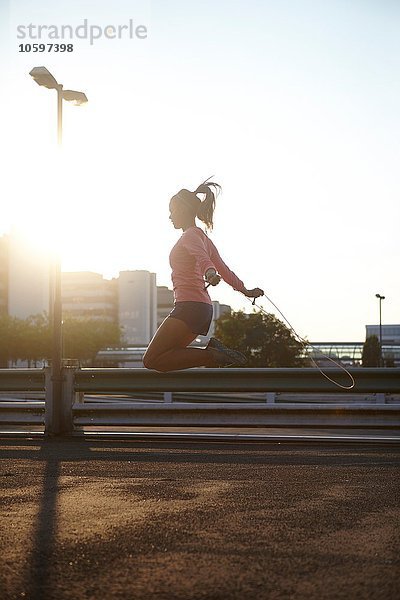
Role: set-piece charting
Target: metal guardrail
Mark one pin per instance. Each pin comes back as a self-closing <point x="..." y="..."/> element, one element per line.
<point x="22" y="413"/>
<point x="62" y="415"/>
<point x="235" y="380"/>
<point x="22" y="380"/>
<point x="234" y="415"/>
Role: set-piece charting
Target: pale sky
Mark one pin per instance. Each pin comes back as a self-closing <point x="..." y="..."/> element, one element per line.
<point x="292" y="106"/>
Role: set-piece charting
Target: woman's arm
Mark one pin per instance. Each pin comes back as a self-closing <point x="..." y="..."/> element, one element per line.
<point x="229" y="276"/>
<point x="209" y="260"/>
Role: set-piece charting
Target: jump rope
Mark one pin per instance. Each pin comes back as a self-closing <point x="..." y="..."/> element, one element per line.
<point x="305" y="343"/>
<point x="302" y="341"/>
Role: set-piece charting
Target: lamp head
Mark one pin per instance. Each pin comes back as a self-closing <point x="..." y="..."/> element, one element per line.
<point x="43" y="77"/>
<point x="78" y="98"/>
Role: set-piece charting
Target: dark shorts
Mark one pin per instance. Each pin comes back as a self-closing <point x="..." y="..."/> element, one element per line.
<point x="196" y="315"/>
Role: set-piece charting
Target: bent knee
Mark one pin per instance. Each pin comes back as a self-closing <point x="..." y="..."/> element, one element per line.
<point x="154" y="362"/>
<point x="148" y="361"/>
<point x="151" y="361"/>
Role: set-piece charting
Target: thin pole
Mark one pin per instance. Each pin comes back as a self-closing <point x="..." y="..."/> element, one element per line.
<point x="59" y="114"/>
<point x="56" y="362"/>
<point x="380" y="329"/>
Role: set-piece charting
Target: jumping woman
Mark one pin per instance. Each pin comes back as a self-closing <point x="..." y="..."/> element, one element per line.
<point x="194" y="261"/>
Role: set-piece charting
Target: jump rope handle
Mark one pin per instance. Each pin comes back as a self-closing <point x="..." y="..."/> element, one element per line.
<point x="254" y="299"/>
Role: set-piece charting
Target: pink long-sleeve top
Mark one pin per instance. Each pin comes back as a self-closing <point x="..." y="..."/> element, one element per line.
<point x="193" y="254"/>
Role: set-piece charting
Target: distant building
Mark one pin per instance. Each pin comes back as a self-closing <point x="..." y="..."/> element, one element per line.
<point x="165" y="303"/>
<point x="137" y="306"/>
<point x="390" y="342"/>
<point x="28" y="278"/>
<point x="4" y="275"/>
<point x="129" y="300"/>
<point x="132" y="300"/>
<point x="390" y="333"/>
<point x="126" y="358"/>
<point x="89" y="295"/>
<point x="218" y="311"/>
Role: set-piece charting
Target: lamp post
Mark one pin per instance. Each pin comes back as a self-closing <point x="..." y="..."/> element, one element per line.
<point x="380" y="325"/>
<point x="44" y="78"/>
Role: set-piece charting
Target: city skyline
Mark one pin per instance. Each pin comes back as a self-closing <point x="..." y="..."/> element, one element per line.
<point x="293" y="109"/>
<point x="133" y="300"/>
<point x="90" y="294"/>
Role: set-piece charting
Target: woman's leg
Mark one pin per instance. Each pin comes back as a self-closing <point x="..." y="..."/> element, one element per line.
<point x="168" y="350"/>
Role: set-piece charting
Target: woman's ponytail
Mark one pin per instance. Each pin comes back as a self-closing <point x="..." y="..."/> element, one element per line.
<point x="205" y="210"/>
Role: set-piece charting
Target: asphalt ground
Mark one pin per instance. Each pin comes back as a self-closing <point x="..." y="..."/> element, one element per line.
<point x="95" y="518"/>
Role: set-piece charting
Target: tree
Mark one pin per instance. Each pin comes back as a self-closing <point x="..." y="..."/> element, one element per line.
<point x="37" y="340"/>
<point x="83" y="338"/>
<point x="5" y="337"/>
<point x="11" y="339"/>
<point x="389" y="360"/>
<point x="371" y="354"/>
<point x="31" y="339"/>
<point x="263" y="338"/>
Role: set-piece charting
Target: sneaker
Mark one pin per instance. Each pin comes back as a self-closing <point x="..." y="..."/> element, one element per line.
<point x="230" y="357"/>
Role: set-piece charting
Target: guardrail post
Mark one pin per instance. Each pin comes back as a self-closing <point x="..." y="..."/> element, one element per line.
<point x="49" y="416"/>
<point x="270" y="397"/>
<point x="167" y="396"/>
<point x="380" y="398"/>
<point x="58" y="420"/>
<point x="68" y="398"/>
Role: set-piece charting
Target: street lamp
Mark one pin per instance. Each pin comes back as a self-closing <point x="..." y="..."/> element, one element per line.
<point x="44" y="78"/>
<point x="380" y="323"/>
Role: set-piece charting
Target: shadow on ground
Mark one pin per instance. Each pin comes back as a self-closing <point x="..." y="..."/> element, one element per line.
<point x="100" y="519"/>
